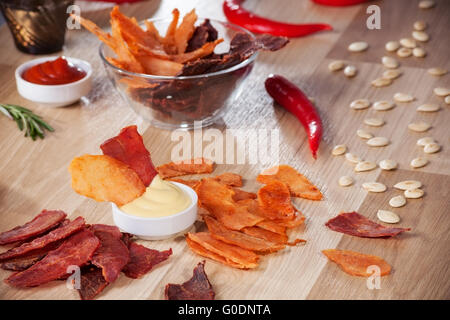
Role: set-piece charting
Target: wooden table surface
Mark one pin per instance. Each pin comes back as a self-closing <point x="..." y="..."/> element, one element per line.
<point x="33" y="175"/>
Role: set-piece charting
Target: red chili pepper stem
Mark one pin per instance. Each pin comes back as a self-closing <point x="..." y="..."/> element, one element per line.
<point x="236" y="14"/>
<point x="291" y="98"/>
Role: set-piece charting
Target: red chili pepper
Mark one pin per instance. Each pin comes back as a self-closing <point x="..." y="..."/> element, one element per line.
<point x="291" y="98"/>
<point x="339" y="3"/>
<point x="236" y="14"/>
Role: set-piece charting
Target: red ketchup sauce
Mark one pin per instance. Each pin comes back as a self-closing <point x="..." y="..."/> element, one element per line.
<point x="58" y="71"/>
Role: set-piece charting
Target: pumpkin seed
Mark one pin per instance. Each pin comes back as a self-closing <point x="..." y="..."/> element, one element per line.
<point x="428" y="107"/>
<point x="374" y="122"/>
<point x="358" y="46"/>
<point x="352" y="158"/>
<point x="389" y="62"/>
<point x="381" y="82"/>
<point x="408" y="185"/>
<point x="419" y="52"/>
<point x="421" y="36"/>
<point x="374" y="186"/>
<point x="383" y="105"/>
<point x="414" y="193"/>
<point x="404" y="52"/>
<point x="397" y="201"/>
<point x="420" y="126"/>
<point x="364" y="134"/>
<point x="388" y="216"/>
<point x="339" y="149"/>
<point x="392" y="46"/>
<point x="350" y="71"/>
<point x="345" y="181"/>
<point x="441" y="92"/>
<point x="336" y="65"/>
<point x="360" y="104"/>
<point x="419" y="162"/>
<point x="426" y="4"/>
<point x="422" y="142"/>
<point x="437" y="71"/>
<point x="431" y="148"/>
<point x="365" y="166"/>
<point x="403" y="97"/>
<point x="408" y="43"/>
<point x="392" y="74"/>
<point x="388" y="164"/>
<point x="378" y="142"/>
<point x="447" y="99"/>
<point x="420" y="25"/>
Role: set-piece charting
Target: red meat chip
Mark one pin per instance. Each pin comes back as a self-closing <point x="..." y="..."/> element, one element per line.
<point x="76" y="250"/>
<point x="43" y="222"/>
<point x="39" y="243"/>
<point x="196" y="288"/>
<point x="92" y="282"/>
<point x="112" y="255"/>
<point x="143" y="259"/>
<point x="354" y="224"/>
<point x="128" y="147"/>
<point x="24" y="262"/>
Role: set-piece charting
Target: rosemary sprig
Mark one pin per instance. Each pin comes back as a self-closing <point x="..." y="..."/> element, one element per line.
<point x="33" y="124"/>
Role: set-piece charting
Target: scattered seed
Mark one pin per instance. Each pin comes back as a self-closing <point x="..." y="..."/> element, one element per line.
<point x="420" y="126"/>
<point x="360" y="104"/>
<point x="397" y="201"/>
<point x="419" y="52"/>
<point x="389" y="62"/>
<point x="383" y="105"/>
<point x="374" y="186"/>
<point x="339" y="149"/>
<point x="426" y="4"/>
<point x="414" y="193"/>
<point x="408" y="185"/>
<point x="381" y="82"/>
<point x="408" y="43"/>
<point x="392" y="46"/>
<point x="336" y="65"/>
<point x="441" y="92"/>
<point x="388" y="216"/>
<point x="431" y="148"/>
<point x="378" y="142"/>
<point x="420" y="25"/>
<point x="422" y="142"/>
<point x="350" y="71"/>
<point x="352" y="158"/>
<point x="437" y="71"/>
<point x="374" y="122"/>
<point x="428" y="107"/>
<point x="388" y="164"/>
<point x="447" y="99"/>
<point x="345" y="181"/>
<point x="421" y="36"/>
<point x="364" y="134"/>
<point x="392" y="74"/>
<point x="358" y="46"/>
<point x="419" y="162"/>
<point x="404" y="52"/>
<point x="365" y="166"/>
<point x="403" y="97"/>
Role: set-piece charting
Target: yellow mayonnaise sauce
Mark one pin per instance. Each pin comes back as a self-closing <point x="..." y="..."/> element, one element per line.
<point x="160" y="199"/>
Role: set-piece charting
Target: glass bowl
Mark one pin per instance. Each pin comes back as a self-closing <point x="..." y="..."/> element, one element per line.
<point x="171" y="102"/>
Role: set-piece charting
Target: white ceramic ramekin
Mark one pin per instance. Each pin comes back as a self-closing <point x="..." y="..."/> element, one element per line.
<point x="54" y="95"/>
<point x="158" y="228"/>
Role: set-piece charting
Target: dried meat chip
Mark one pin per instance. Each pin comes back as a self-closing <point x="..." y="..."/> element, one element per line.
<point x="354" y="224"/>
<point x="24" y="262"/>
<point x="217" y="199"/>
<point x="202" y="251"/>
<point x="266" y="234"/>
<point x="203" y="33"/>
<point x="274" y="200"/>
<point x="143" y="259"/>
<point x="190" y="183"/>
<point x="76" y="250"/>
<point x="298" y="220"/>
<point x="196" y="288"/>
<point x="40" y="242"/>
<point x="246" y="259"/>
<point x="272" y="225"/>
<point x="240" y="195"/>
<point x="240" y="239"/>
<point x="92" y="282"/>
<point x="298" y="185"/>
<point x="229" y="179"/>
<point x="112" y="255"/>
<point x="190" y="166"/>
<point x="357" y="264"/>
<point x="129" y="148"/>
<point x="42" y="223"/>
<point x="245" y="45"/>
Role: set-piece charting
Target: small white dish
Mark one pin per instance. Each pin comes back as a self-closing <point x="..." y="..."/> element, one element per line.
<point x="162" y="227"/>
<point x="54" y="95"/>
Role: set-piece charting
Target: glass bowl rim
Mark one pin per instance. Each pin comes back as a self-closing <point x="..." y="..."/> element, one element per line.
<point x="203" y="75"/>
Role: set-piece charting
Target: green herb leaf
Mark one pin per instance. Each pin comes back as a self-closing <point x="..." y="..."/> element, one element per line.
<point x="33" y="124"/>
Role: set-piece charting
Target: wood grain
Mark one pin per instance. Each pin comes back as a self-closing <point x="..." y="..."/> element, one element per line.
<point x="33" y="175"/>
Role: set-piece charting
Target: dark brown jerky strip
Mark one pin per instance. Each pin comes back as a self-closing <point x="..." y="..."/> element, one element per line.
<point x="143" y="259"/>
<point x="354" y="224"/>
<point x="38" y="243"/>
<point x="92" y="282"/>
<point x="43" y="222"/>
<point x="203" y="33"/>
<point x="196" y="288"/>
<point x="75" y="250"/>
